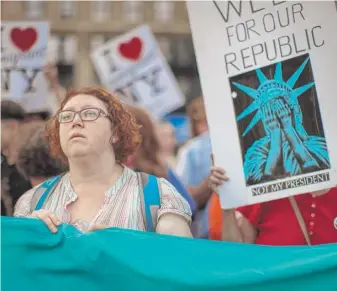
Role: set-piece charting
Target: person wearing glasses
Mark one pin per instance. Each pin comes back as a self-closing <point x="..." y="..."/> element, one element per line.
<point x="94" y="133"/>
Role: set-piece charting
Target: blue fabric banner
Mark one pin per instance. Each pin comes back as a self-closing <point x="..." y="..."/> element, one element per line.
<point x="123" y="260"/>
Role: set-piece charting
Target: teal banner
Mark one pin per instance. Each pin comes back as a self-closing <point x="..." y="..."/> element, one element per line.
<point x="33" y="259"/>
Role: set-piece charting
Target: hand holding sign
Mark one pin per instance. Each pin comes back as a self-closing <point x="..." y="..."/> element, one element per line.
<point x="268" y="101"/>
<point x="217" y="178"/>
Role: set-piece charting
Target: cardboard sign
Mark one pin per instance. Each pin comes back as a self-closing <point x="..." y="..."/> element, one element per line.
<point x="270" y="94"/>
<point x="132" y="66"/>
<point x="23" y="54"/>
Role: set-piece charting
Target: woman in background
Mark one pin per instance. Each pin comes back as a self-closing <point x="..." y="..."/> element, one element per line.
<point x="167" y="142"/>
<point x="148" y="156"/>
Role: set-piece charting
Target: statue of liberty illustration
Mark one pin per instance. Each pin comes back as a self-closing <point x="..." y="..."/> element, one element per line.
<point x="286" y="149"/>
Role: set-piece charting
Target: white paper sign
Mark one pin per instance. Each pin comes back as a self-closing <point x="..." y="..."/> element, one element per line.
<point x="268" y="74"/>
<point x="23" y="54"/>
<point x="132" y="66"/>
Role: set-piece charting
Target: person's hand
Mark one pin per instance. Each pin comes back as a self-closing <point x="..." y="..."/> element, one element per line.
<point x="270" y="121"/>
<point x="48" y="217"/>
<point x="51" y="74"/>
<point x="217" y="178"/>
<point x="284" y="113"/>
<point x="98" y="226"/>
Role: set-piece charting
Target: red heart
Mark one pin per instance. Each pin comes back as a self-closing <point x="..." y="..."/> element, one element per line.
<point x="131" y="49"/>
<point x="24" y="39"/>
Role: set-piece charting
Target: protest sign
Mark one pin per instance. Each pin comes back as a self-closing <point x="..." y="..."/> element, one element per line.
<point x="23" y="54"/>
<point x="132" y="66"/>
<point x="268" y="77"/>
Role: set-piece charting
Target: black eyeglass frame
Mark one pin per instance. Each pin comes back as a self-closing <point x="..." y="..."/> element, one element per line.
<point x="100" y="113"/>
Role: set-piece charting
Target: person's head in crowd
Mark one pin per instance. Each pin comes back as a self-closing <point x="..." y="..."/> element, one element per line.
<point x="37" y="116"/>
<point x="34" y="159"/>
<point x="147" y="156"/>
<point x="92" y="128"/>
<point x="27" y="129"/>
<point x="166" y="137"/>
<point x="197" y="115"/>
<point x="12" y="117"/>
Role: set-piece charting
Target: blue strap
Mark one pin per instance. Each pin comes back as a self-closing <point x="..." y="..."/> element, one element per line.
<point x="48" y="185"/>
<point x="151" y="198"/>
<point x="150" y="191"/>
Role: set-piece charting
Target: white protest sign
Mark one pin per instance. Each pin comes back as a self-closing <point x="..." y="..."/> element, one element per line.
<point x="132" y="66"/>
<point x="23" y="54"/>
<point x="268" y="74"/>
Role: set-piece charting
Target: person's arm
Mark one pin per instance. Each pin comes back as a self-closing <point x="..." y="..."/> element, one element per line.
<point x="272" y="126"/>
<point x="185" y="170"/>
<point x="237" y="228"/>
<point x="173" y="224"/>
<point x="184" y="167"/>
<point x="200" y="193"/>
<point x="174" y="214"/>
<point x="51" y="75"/>
<point x="301" y="152"/>
<point x="59" y="92"/>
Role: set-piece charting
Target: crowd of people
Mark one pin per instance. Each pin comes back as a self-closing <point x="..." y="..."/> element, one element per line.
<point x="92" y="150"/>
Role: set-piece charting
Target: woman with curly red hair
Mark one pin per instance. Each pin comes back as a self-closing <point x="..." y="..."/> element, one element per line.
<point x="94" y="134"/>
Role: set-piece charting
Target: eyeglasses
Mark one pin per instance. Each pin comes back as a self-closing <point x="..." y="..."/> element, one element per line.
<point x="87" y="114"/>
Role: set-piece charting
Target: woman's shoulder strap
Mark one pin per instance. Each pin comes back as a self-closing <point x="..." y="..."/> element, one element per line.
<point x="43" y="191"/>
<point x="150" y="197"/>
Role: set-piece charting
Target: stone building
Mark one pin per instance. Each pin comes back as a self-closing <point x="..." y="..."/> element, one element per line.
<point x="79" y="26"/>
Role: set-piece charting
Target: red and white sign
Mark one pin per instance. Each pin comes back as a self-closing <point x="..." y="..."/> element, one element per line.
<point x="132" y="66"/>
<point x="24" y="48"/>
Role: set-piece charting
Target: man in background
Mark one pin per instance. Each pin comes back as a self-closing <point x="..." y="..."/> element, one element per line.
<point x="34" y="160"/>
<point x="13" y="184"/>
<point x="194" y="163"/>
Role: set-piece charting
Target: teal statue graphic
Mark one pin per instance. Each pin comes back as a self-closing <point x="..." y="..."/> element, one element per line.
<point x="286" y="149"/>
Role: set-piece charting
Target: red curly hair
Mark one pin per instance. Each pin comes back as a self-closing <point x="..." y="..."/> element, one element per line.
<point x="124" y="124"/>
<point x="147" y="155"/>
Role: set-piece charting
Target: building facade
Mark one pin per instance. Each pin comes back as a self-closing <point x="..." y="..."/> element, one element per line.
<point x="79" y="26"/>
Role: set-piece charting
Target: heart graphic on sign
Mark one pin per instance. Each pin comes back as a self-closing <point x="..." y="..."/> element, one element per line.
<point x="23" y="39"/>
<point x="131" y="49"/>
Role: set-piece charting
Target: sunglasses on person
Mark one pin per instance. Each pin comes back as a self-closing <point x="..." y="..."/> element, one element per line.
<point x="87" y="114"/>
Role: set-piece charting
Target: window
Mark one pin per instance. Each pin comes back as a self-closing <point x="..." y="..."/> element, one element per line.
<point x="165" y="47"/>
<point x="164" y="11"/>
<point x="70" y="49"/>
<point x="96" y="41"/>
<point x="67" y="9"/>
<point x="100" y="10"/>
<point x="67" y="49"/>
<point x="185" y="84"/>
<point x="53" y="48"/>
<point x="34" y="9"/>
<point x="132" y="11"/>
<point x="184" y="54"/>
